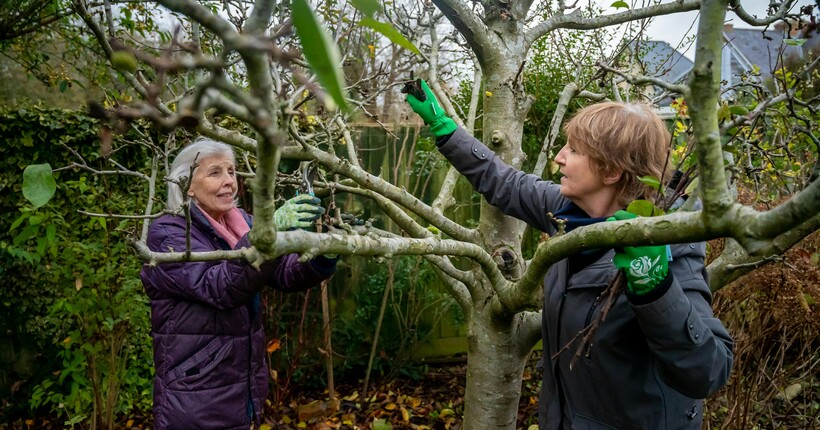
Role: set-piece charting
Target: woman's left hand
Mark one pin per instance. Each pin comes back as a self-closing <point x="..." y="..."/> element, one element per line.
<point x="298" y="212"/>
<point x="645" y="267"/>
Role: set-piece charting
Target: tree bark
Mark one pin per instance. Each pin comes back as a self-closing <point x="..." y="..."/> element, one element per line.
<point x="497" y="352"/>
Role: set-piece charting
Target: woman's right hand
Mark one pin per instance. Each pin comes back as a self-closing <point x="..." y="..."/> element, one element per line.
<point x="298" y="212"/>
<point x="423" y="102"/>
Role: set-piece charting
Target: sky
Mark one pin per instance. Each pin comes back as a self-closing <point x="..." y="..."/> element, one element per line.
<point x="674" y="28"/>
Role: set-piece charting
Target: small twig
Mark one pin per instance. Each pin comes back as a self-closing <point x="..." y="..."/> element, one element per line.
<point x="754" y="264"/>
<point x="607" y="299"/>
<point x="120" y="216"/>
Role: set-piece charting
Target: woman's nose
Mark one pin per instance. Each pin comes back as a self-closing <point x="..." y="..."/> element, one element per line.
<point x="229" y="179"/>
<point x="559" y="157"/>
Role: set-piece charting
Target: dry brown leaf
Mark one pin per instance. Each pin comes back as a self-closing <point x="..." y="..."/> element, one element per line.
<point x="405" y="416"/>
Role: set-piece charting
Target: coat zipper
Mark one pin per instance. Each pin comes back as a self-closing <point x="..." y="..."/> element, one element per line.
<point x="590" y="313"/>
<point x="592" y="310"/>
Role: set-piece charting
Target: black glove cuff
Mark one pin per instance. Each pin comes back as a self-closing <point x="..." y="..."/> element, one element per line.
<point x="440" y="141"/>
<point x="653" y="294"/>
<point x="324" y="265"/>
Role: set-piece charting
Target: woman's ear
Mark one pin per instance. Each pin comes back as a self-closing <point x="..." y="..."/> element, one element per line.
<point x="612" y="177"/>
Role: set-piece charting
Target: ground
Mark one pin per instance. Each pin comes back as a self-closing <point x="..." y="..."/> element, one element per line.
<point x="434" y="401"/>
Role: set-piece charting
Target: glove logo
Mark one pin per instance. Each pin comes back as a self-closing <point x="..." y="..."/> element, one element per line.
<point x="643" y="270"/>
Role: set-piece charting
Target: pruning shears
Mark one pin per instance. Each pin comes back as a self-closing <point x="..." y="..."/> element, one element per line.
<point x="413" y="87"/>
<point x="308" y="176"/>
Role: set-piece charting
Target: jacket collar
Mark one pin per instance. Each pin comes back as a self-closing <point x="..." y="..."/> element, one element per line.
<point x="574" y="217"/>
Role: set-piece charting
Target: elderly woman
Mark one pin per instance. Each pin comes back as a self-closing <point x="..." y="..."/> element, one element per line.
<point x="209" y="343"/>
<point x="660" y="349"/>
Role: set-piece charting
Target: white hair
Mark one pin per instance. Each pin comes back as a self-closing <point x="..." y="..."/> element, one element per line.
<point x="184" y="161"/>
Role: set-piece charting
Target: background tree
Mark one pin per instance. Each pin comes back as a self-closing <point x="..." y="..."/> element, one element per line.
<point x="238" y="74"/>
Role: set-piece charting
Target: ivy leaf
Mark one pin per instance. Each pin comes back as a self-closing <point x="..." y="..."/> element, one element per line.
<point x="391" y="33"/>
<point x="619" y="5"/>
<point x="367" y="7"/>
<point x="321" y="52"/>
<point x="38" y="184"/>
<point x="643" y="208"/>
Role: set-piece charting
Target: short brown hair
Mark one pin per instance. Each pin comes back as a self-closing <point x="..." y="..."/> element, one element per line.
<point x="626" y="137"/>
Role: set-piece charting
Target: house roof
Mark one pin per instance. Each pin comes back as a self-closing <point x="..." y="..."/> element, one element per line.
<point x="744" y="48"/>
<point x="756" y="47"/>
<point x="660" y="60"/>
<point x="767" y="49"/>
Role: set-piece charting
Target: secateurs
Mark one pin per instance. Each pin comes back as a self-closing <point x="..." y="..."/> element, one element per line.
<point x="308" y="176"/>
<point x="413" y="87"/>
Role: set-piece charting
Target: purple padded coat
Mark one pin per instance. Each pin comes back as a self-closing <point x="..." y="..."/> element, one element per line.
<point x="209" y="342"/>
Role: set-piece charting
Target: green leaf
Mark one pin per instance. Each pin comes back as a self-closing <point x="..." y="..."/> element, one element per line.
<point x="651" y="182"/>
<point x="643" y="208"/>
<point x="42" y="243"/>
<point x="124" y="61"/>
<point x="26" y="234"/>
<point x="692" y="186"/>
<point x="391" y="33"/>
<point x="738" y="110"/>
<point x="63" y="85"/>
<point x="380" y="424"/>
<point x="38" y="184"/>
<point x="367" y="7"/>
<point x="51" y="233"/>
<point x="320" y="51"/>
<point x="723" y="113"/>
<point x="620" y="5"/>
<point x="19" y="220"/>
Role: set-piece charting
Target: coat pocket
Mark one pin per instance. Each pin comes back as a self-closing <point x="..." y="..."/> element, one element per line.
<point x="191" y="373"/>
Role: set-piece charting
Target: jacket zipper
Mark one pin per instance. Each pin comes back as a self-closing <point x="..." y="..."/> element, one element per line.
<point x="590" y="313"/>
<point x="556" y="368"/>
<point x="592" y="310"/>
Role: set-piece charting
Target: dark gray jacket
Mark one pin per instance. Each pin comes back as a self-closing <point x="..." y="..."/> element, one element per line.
<point x="647" y="365"/>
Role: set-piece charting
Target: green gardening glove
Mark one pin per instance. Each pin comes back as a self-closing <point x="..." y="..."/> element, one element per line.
<point x="298" y="212"/>
<point x="645" y="266"/>
<point x="423" y="102"/>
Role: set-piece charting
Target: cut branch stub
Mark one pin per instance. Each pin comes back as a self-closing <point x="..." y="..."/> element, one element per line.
<point x="498" y="138"/>
<point x="505" y="258"/>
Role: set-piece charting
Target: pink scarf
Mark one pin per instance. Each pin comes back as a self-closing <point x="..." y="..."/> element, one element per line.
<point x="231" y="226"/>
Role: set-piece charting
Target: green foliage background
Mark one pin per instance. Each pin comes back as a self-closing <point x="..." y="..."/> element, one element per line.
<point x="74" y="311"/>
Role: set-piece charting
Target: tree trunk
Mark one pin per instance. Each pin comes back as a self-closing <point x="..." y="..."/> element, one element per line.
<point x="497" y="352"/>
<point x="503" y="130"/>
